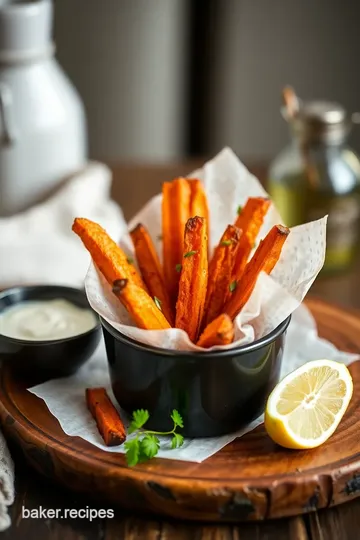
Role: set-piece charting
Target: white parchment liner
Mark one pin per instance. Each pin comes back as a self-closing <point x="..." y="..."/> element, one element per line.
<point x="228" y="184"/>
<point x="65" y="397"/>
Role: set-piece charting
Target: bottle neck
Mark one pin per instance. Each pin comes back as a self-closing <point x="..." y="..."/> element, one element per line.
<point x="29" y="56"/>
<point x="317" y="147"/>
<point x="26" y="32"/>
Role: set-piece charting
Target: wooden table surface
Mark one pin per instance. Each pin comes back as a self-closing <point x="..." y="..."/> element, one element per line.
<point x="132" y="187"/>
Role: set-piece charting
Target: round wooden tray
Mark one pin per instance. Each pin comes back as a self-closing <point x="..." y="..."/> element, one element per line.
<point x="250" y="479"/>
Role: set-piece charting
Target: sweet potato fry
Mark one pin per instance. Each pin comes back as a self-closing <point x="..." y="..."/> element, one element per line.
<point x="198" y="201"/>
<point x="263" y="260"/>
<point x="151" y="270"/>
<point x="175" y="213"/>
<point x="106" y="416"/>
<point x="220" y="274"/>
<point x="193" y="278"/>
<point x="107" y="255"/>
<point x="140" y="305"/>
<point x="249" y="221"/>
<point x="219" y="332"/>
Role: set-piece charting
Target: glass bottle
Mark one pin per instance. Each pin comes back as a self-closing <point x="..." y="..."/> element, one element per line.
<point x="318" y="174"/>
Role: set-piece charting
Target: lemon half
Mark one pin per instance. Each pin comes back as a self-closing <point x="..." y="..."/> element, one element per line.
<point x="306" y="407"/>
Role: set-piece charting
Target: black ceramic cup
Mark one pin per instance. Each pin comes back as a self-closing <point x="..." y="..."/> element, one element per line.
<point x="47" y="359"/>
<point x="215" y="392"/>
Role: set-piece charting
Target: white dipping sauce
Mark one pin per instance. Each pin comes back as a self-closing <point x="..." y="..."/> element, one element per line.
<point x="45" y="320"/>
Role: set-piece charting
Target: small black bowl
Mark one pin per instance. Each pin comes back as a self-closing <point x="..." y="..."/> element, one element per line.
<point x="215" y="392"/>
<point x="47" y="359"/>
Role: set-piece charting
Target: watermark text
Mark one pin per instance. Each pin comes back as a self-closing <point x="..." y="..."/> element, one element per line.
<point x="64" y="513"/>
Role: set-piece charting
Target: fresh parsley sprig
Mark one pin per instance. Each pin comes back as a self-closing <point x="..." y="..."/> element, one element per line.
<point x="145" y="445"/>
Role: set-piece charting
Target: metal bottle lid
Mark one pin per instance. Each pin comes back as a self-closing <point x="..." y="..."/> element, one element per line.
<point x="321" y="122"/>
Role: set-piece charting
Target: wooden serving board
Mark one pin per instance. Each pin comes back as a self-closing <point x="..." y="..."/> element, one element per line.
<point x="250" y="479"/>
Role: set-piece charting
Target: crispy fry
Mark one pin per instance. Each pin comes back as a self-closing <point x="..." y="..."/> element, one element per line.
<point x="107" y="418"/>
<point x="248" y="213"/>
<point x="193" y="278"/>
<point x="220" y="274"/>
<point x="175" y="213"/>
<point x="140" y="305"/>
<point x="219" y="332"/>
<point x="249" y="221"/>
<point x="113" y="264"/>
<point x="151" y="270"/>
<point x="106" y="254"/>
<point x="263" y="260"/>
<point x="198" y="201"/>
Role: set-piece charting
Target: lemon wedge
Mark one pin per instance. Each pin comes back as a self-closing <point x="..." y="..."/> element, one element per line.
<point x="306" y="407"/>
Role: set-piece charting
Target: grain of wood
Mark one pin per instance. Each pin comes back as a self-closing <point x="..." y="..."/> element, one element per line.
<point x="304" y="482"/>
<point x="178" y="531"/>
<point x="136" y="528"/>
<point x="339" y="523"/>
<point x="216" y="533"/>
<point x="33" y="490"/>
<point x="316" y="531"/>
<point x="297" y="529"/>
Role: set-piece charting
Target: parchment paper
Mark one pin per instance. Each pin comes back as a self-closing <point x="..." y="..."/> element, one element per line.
<point x="65" y="397"/>
<point x="228" y="184"/>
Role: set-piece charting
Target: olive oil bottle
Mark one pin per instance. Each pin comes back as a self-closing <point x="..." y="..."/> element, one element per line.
<point x="317" y="175"/>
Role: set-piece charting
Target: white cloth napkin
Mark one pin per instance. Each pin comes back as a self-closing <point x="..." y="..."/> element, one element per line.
<point x="39" y="247"/>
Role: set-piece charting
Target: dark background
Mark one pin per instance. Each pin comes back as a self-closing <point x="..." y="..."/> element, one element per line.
<point x="165" y="79"/>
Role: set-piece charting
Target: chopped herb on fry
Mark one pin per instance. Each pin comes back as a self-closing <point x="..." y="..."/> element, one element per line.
<point x="239" y="210"/>
<point x="178" y="267"/>
<point x="232" y="286"/>
<point x="263" y="260"/>
<point x="157" y="302"/>
<point x="249" y="221"/>
<point x="198" y="201"/>
<point x="193" y="278"/>
<point x="109" y="258"/>
<point x="219" y="332"/>
<point x="189" y="254"/>
<point x="151" y="270"/>
<point x="130" y="260"/>
<point x="220" y="274"/>
<point x="140" y="305"/>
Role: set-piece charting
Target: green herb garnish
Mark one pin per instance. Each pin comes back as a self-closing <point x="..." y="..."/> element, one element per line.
<point x="157" y="302"/>
<point x="190" y="254"/>
<point x="233" y="286"/>
<point x="145" y="445"/>
<point x="178" y="267"/>
<point x="239" y="210"/>
<point x="226" y="243"/>
<point x="130" y="260"/>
